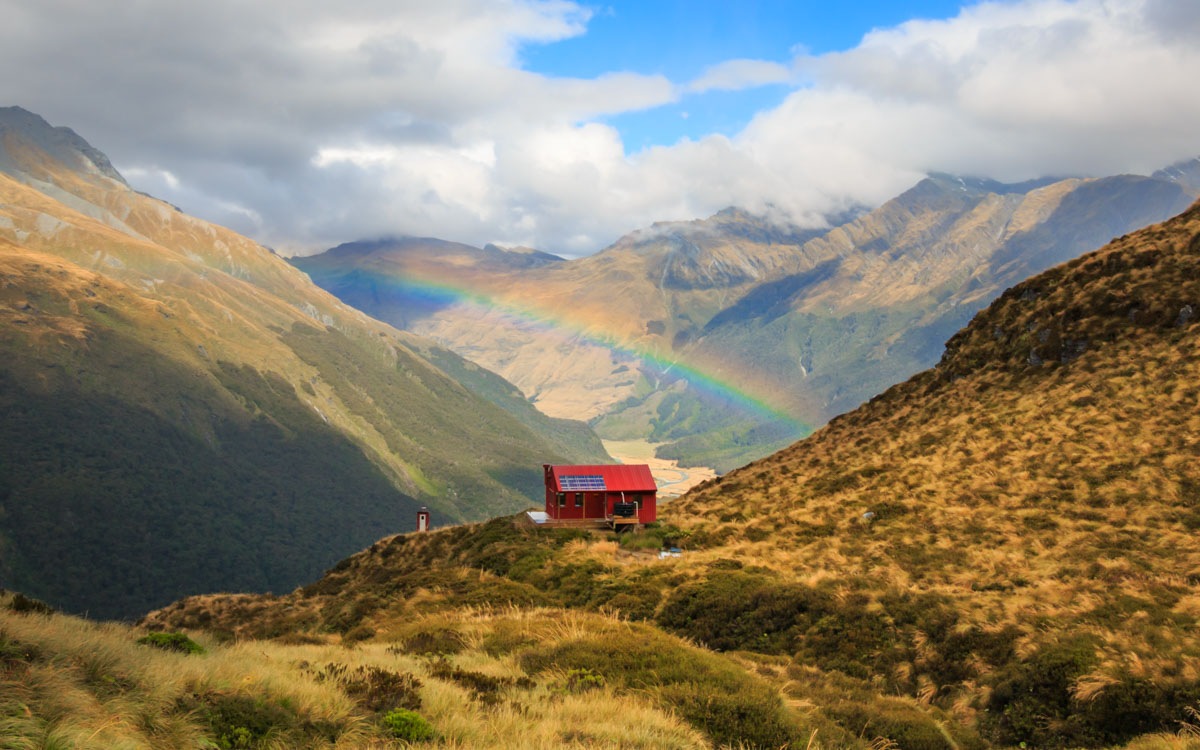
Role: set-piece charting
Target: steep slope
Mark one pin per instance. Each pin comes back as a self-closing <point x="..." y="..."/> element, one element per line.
<point x="895" y="284"/>
<point x="998" y="551"/>
<point x="1043" y="479"/>
<point x="185" y="411"/>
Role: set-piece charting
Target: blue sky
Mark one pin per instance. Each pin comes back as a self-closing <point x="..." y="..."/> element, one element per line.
<point x="680" y="40"/>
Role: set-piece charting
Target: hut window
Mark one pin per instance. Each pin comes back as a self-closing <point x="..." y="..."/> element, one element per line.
<point x="636" y="499"/>
<point x="562" y="499"/>
<point x="578" y="499"/>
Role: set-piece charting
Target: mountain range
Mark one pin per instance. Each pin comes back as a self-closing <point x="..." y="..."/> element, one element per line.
<point x="727" y="338"/>
<point x="184" y="411"/>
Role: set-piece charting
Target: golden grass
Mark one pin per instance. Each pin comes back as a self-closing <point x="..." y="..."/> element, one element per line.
<point x="92" y="686"/>
<point x="1057" y="495"/>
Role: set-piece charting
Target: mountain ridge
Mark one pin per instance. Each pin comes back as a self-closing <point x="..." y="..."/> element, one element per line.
<point x="59" y="142"/>
<point x="124" y="319"/>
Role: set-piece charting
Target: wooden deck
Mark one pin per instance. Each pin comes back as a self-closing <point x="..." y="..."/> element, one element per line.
<point x="600" y="524"/>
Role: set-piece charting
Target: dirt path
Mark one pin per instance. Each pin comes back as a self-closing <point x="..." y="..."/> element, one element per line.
<point x="671" y="478"/>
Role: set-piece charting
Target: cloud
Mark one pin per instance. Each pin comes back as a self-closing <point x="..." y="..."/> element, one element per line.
<point x="304" y="124"/>
<point x="735" y="75"/>
<point x="1012" y="90"/>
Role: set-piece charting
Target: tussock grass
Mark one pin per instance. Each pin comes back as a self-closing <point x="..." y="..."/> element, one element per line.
<point x="93" y="685"/>
<point x="68" y="682"/>
<point x="1046" y="500"/>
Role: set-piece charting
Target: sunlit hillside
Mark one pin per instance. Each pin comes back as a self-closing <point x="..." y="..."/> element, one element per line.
<point x="72" y="683"/>
<point x="1039" y="487"/>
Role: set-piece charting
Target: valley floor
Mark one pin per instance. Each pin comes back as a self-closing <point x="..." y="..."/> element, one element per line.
<point x="672" y="479"/>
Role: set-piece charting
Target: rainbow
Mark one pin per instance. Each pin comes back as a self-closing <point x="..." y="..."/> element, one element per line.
<point x="435" y="294"/>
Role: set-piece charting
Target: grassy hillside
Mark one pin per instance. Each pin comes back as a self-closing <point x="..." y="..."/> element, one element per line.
<point x="183" y="411"/>
<point x="1040" y="483"/>
<point x="72" y="683"/>
<point x="998" y="551"/>
<point x="503" y="585"/>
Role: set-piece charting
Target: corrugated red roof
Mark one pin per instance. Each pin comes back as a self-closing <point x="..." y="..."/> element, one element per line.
<point x="617" y="477"/>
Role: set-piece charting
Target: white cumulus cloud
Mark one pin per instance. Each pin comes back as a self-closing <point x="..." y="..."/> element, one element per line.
<point x="306" y="124"/>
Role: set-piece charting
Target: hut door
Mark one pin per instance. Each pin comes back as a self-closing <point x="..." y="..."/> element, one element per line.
<point x="594" y="505"/>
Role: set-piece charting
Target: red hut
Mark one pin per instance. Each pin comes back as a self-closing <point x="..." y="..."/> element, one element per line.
<point x="619" y="494"/>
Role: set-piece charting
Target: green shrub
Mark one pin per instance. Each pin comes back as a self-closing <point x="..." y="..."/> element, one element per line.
<point x="635" y="604"/>
<point x="673" y="536"/>
<point x="711" y="693"/>
<point x="373" y="688"/>
<point x="854" y="634"/>
<point x="507" y="637"/>
<point x="1136" y="706"/>
<point x="342" y="617"/>
<point x="955" y="651"/>
<point x="241" y="722"/>
<point x="719" y="611"/>
<point x="636" y="600"/>
<point x="22" y="604"/>
<point x="407" y="725"/>
<point x="484" y="688"/>
<point x="1032" y="696"/>
<point x="583" y="680"/>
<point x="579" y="584"/>
<point x="1033" y="704"/>
<point x="358" y="634"/>
<point x="751" y="717"/>
<point x="435" y="642"/>
<point x="503" y="592"/>
<point x="737" y="610"/>
<point x="639" y="540"/>
<point x="172" y="642"/>
<point x="906" y="726"/>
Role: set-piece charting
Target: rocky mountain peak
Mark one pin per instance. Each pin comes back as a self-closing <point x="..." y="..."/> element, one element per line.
<point x="20" y="128"/>
<point x="978" y="185"/>
<point x="1185" y="173"/>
